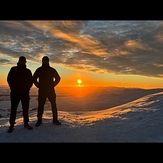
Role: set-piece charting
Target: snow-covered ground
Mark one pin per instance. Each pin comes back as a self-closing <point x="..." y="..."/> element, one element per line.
<point x="117" y="115"/>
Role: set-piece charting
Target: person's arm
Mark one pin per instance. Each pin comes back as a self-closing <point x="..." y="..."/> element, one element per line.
<point x="57" y="78"/>
<point x="35" y="77"/>
<point x="10" y="78"/>
<point x="30" y="83"/>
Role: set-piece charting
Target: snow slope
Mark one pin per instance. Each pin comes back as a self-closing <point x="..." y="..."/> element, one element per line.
<point x="140" y="120"/>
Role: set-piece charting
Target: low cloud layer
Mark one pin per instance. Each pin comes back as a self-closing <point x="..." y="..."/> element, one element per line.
<point x="117" y="47"/>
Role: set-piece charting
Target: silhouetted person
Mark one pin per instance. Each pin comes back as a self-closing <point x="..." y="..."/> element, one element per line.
<point x="20" y="81"/>
<point x="45" y="78"/>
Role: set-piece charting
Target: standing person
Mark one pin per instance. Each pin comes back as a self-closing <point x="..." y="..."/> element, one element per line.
<point x="45" y="78"/>
<point x="20" y="81"/>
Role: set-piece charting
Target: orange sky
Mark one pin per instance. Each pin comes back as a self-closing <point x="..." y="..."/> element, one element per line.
<point x="70" y="77"/>
<point x="100" y="53"/>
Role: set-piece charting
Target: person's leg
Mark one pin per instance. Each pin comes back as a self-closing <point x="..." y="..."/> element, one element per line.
<point x="40" y="110"/>
<point x="52" y="99"/>
<point x="25" y="106"/>
<point x="15" y="99"/>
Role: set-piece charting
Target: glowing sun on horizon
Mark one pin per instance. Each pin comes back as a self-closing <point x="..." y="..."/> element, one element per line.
<point x="79" y="81"/>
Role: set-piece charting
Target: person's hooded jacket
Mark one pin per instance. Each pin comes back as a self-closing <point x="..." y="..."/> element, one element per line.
<point x="46" y="78"/>
<point x="20" y="79"/>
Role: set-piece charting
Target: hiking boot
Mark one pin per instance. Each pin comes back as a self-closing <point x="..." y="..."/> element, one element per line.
<point x="28" y="126"/>
<point x="11" y="128"/>
<point x="56" y="122"/>
<point x="38" y="123"/>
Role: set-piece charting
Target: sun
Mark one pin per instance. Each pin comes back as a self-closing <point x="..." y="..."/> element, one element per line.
<point x="79" y="81"/>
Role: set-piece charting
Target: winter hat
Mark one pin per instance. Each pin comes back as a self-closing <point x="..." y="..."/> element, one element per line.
<point x="45" y="58"/>
<point x="22" y="58"/>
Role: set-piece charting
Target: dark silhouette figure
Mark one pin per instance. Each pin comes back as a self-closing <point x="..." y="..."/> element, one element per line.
<point x="20" y="81"/>
<point x="45" y="78"/>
